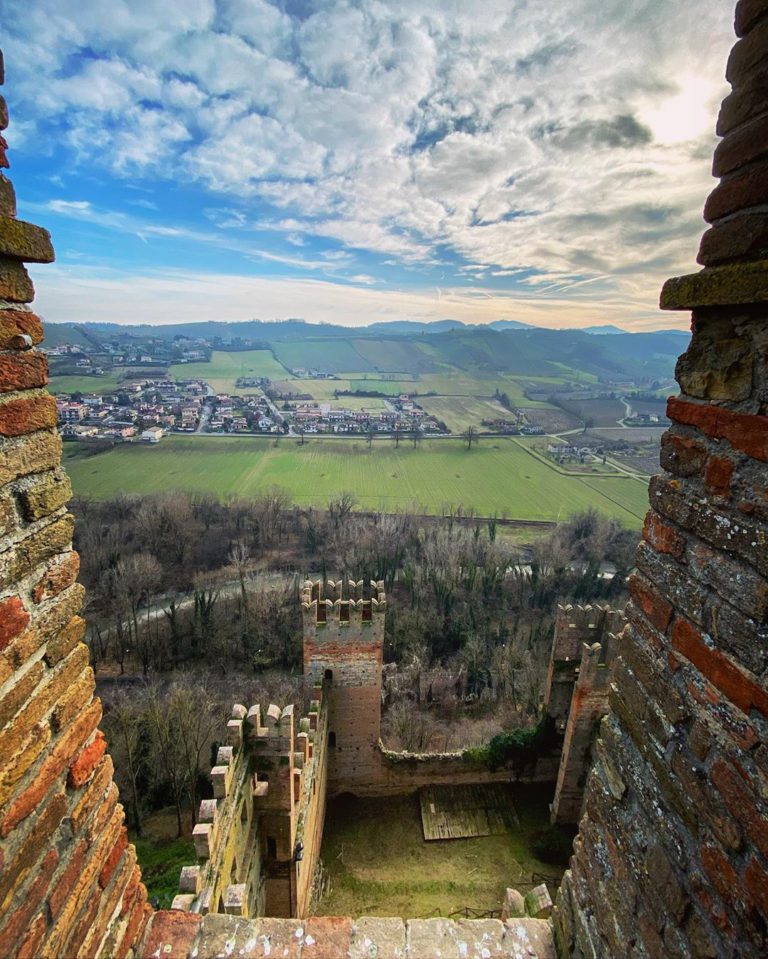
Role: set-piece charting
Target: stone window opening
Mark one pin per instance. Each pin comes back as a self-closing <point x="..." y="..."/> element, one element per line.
<point x="331" y="740"/>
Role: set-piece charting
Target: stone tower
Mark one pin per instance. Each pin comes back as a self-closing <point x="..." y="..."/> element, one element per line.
<point x="576" y="697"/>
<point x="343" y="648"/>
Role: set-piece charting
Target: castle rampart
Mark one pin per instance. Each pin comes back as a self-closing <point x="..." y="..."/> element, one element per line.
<point x="258" y="839"/>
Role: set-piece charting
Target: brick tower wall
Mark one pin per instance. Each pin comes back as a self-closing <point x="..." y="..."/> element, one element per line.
<point x="344" y="647"/>
<point x="69" y="884"/>
<point x="672" y="856"/>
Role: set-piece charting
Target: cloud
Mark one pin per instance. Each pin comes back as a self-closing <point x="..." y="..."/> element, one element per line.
<point x="564" y="140"/>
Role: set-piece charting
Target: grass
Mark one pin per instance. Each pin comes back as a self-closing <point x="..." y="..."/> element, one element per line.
<point x="85" y="384"/>
<point x="497" y="476"/>
<point x="379" y="864"/>
<point x="161" y="863"/>
<point x="224" y="369"/>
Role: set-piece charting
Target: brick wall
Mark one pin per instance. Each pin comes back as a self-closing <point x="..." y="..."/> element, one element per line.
<point x="343" y="626"/>
<point x="69" y="884"/>
<point x="672" y="856"/>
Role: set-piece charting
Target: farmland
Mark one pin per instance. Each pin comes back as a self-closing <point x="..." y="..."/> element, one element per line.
<point x="224" y="369"/>
<point x="85" y="384"/>
<point x="459" y="412"/>
<point x="498" y="476"/>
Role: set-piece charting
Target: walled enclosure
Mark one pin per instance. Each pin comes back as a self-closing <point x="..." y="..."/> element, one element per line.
<point x="672" y="855"/>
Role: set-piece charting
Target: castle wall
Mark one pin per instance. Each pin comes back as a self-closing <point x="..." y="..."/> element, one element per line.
<point x="576" y="695"/>
<point x="69" y="883"/>
<point x="344" y="647"/>
<point x="672" y="854"/>
<point x="258" y="840"/>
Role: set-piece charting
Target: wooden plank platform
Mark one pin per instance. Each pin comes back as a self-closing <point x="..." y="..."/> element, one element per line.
<point x="461" y="812"/>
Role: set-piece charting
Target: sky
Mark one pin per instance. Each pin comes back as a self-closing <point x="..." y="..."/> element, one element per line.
<point x="356" y="161"/>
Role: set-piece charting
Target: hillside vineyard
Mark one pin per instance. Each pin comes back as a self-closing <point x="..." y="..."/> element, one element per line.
<point x="671" y="857"/>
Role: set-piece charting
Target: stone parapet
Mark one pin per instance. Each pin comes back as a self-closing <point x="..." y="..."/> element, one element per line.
<point x="322" y="937"/>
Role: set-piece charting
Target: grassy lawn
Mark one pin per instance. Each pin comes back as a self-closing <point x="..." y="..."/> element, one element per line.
<point x="85" y="384"/>
<point x="379" y="864"/>
<point x="224" y="369"/>
<point x="497" y="476"/>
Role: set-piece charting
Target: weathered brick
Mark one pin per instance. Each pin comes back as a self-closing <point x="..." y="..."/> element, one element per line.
<point x="742" y="104"/>
<point x="7" y="197"/>
<point x="735" y="534"/>
<point x="756" y="884"/>
<point x="93" y="795"/>
<point x="27" y="414"/>
<point x="718" y="475"/>
<point x="81" y="769"/>
<point x="42" y="699"/>
<point x="681" y="455"/>
<point x="748" y="13"/>
<point x="663" y="875"/>
<point x="656" y="609"/>
<point x="61" y="574"/>
<point x="718" y="363"/>
<point x="743" y="431"/>
<point x="740" y="192"/>
<point x="37" y="548"/>
<point x="29" y="947"/>
<point x="17" y="919"/>
<point x="65" y="882"/>
<point x="72" y="702"/>
<point x="110" y="863"/>
<point x="62" y="643"/>
<point x="171" y="934"/>
<point x="14" y="323"/>
<point x="720" y="872"/>
<point x="15" y="284"/>
<point x="15" y="697"/>
<point x="740" y="147"/>
<point x="29" y="454"/>
<point x="8" y="516"/>
<point x="13" y="619"/>
<point x="16" y="763"/>
<point x="140" y="916"/>
<point x="747" y="54"/>
<point x="729" y="284"/>
<point x="663" y="537"/>
<point x="740" y="688"/>
<point x="22" y="371"/>
<point x="743" y="237"/>
<point x="52" y="768"/>
<point x="85" y="886"/>
<point x="36" y="840"/>
<point x="741" y="802"/>
<point x="49" y="492"/>
<point x="25" y="241"/>
<point x="736" y="582"/>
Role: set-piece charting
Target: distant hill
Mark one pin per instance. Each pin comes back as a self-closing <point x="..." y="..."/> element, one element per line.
<point x="602" y="330"/>
<point x="405" y="347"/>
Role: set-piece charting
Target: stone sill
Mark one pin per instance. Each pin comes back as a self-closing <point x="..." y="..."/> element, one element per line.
<point x="180" y="935"/>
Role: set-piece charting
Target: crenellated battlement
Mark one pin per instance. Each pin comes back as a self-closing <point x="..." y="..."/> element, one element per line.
<point x="248" y="835"/>
<point x="347" y="602"/>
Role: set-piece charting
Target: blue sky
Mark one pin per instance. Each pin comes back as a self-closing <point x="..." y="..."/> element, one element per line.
<point x="362" y="161"/>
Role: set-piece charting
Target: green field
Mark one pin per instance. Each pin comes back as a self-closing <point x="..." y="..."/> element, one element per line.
<point x="459" y="412"/>
<point x="410" y="877"/>
<point x="498" y="476"/>
<point x="85" y="384"/>
<point x="224" y="369"/>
